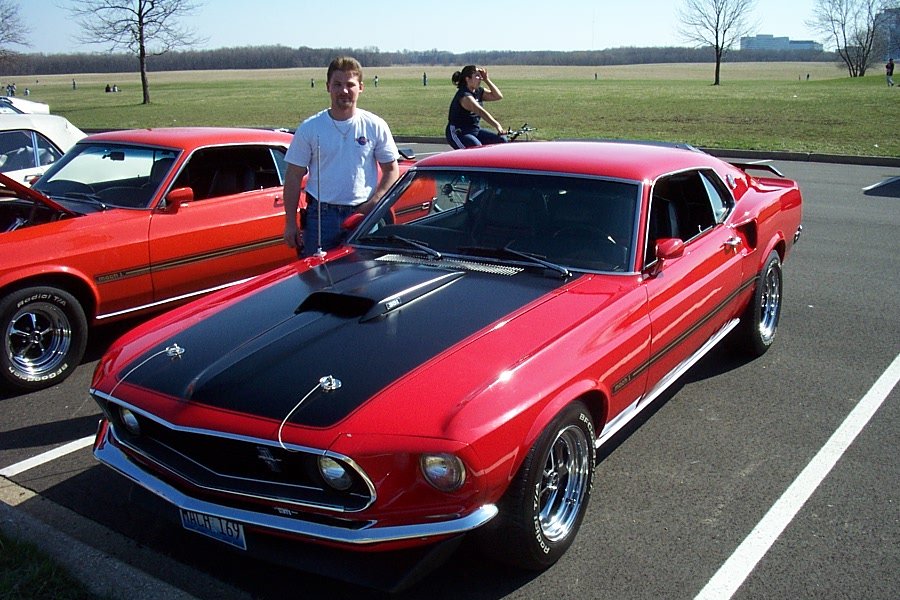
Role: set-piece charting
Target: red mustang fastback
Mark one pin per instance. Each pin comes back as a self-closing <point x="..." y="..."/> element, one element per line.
<point x="457" y="372"/>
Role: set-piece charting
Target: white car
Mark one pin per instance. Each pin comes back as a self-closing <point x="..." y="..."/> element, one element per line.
<point x="15" y="105"/>
<point x="30" y="143"/>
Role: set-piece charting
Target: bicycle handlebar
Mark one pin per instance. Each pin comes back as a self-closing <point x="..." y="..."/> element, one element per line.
<point x="525" y="129"/>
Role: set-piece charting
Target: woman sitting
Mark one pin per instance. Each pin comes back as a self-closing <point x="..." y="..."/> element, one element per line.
<point x="466" y="110"/>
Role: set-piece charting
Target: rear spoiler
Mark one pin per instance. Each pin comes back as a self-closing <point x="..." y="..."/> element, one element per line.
<point x="756" y="166"/>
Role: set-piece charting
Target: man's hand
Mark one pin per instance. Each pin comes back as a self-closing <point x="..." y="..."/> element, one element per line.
<point x="293" y="237"/>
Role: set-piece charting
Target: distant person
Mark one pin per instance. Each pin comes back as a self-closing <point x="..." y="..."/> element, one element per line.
<point x="342" y="148"/>
<point x="312" y="82"/>
<point x="889" y="72"/>
<point x="424" y="79"/>
<point x="466" y="110"/>
<point x="115" y="87"/>
<point x="73" y="84"/>
<point x="108" y="88"/>
<point x="376" y="81"/>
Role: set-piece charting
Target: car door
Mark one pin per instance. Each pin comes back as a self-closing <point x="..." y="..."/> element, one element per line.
<point x="692" y="296"/>
<point x="231" y="230"/>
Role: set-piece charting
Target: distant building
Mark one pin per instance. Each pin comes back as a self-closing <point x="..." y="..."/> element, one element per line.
<point x="889" y="20"/>
<point x="770" y="42"/>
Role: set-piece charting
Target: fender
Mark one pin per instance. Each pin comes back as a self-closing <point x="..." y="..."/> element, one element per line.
<point x="596" y="398"/>
<point x="76" y="281"/>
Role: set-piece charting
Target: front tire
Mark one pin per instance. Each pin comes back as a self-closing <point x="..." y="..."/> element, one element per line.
<point x="44" y="337"/>
<point x="760" y="321"/>
<point x="545" y="504"/>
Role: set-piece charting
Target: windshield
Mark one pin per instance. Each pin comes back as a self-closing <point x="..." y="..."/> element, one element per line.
<point x="555" y="221"/>
<point x="115" y="175"/>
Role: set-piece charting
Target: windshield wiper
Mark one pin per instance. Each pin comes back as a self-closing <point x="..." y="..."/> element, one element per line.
<point x="86" y="197"/>
<point x="500" y="252"/>
<point x="406" y="242"/>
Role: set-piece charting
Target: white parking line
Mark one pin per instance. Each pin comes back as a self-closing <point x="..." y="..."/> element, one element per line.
<point x="46" y="457"/>
<point x="735" y="570"/>
<point x="874" y="186"/>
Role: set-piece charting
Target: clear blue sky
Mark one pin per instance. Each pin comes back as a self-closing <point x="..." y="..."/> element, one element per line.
<point x="426" y="24"/>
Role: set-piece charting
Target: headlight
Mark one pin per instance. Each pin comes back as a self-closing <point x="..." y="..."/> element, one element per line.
<point x="335" y="474"/>
<point x="130" y="421"/>
<point x="445" y="472"/>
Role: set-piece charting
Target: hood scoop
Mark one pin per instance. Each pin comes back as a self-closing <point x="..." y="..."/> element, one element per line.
<point x="379" y="300"/>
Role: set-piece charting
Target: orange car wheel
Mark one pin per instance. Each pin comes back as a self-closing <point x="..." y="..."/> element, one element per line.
<point x="44" y="337"/>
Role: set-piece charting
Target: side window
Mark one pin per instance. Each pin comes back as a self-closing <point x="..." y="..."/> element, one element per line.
<point x="280" y="166"/>
<point x="216" y="172"/>
<point x="16" y="151"/>
<point x="684" y="206"/>
<point x="47" y="152"/>
<point x="719" y="197"/>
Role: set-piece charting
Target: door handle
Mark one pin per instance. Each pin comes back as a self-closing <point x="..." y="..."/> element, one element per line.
<point x="732" y="243"/>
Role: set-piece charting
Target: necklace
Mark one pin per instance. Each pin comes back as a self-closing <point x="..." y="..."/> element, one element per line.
<point x="338" y="129"/>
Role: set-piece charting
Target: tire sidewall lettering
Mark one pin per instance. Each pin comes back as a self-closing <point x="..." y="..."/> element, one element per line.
<point x="543" y="545"/>
<point x="46" y="297"/>
<point x="46" y="377"/>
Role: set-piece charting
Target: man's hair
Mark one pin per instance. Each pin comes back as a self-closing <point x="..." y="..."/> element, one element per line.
<point x="348" y="64"/>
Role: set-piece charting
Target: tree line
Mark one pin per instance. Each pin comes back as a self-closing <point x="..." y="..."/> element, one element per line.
<point x="284" y="57"/>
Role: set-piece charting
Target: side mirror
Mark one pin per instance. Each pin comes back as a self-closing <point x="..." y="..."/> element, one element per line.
<point x="177" y="197"/>
<point x="666" y="249"/>
<point x="352" y="222"/>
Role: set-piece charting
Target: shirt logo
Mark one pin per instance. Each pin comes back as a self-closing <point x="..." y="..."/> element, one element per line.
<point x="362" y="140"/>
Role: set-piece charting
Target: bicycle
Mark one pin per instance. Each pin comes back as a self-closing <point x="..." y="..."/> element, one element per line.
<point x="524" y="130"/>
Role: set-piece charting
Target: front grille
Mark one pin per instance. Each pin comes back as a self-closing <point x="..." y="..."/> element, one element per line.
<point x="248" y="469"/>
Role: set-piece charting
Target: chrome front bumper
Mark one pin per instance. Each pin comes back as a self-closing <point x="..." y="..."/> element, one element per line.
<point x="107" y="453"/>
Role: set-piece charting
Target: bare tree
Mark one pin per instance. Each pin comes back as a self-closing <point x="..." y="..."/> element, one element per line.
<point x="12" y="30"/>
<point x="142" y="27"/>
<point x="715" y="23"/>
<point x="856" y="27"/>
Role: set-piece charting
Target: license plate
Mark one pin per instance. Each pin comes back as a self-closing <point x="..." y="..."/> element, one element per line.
<point x="223" y="530"/>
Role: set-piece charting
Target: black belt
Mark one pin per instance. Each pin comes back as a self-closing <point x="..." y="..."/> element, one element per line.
<point x="310" y="199"/>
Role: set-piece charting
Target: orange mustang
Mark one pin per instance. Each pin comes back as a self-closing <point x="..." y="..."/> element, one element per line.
<point x="163" y="215"/>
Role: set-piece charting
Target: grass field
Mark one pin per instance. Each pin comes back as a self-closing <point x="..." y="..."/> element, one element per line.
<point x="758" y="106"/>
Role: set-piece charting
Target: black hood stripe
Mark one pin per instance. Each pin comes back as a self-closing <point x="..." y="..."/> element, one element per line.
<point x="364" y="322"/>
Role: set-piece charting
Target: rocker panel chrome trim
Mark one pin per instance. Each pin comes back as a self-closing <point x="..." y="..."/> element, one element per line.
<point x="624" y="417"/>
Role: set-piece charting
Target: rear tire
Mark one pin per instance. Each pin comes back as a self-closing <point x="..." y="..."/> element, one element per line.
<point x="44" y="337"/>
<point x="760" y="321"/>
<point x="542" y="510"/>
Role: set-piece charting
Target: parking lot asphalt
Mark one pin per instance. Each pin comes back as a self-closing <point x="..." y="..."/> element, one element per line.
<point x="61" y="532"/>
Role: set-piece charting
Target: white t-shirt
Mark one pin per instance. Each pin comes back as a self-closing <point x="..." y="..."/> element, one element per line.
<point x="348" y="157"/>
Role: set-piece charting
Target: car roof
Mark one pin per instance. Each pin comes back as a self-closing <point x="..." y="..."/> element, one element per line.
<point x="25" y="106"/>
<point x="636" y="161"/>
<point x="55" y="127"/>
<point x="192" y="137"/>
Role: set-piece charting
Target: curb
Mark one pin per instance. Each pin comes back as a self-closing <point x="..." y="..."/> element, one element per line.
<point x="103" y="575"/>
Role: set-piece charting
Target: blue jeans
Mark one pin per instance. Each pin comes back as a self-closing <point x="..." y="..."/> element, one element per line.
<point x="479" y="137"/>
<point x="333" y="216"/>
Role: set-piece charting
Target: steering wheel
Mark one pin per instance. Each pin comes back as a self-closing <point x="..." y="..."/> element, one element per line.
<point x="67" y="186"/>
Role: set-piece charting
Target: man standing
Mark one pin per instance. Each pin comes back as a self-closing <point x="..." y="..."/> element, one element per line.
<point x="342" y="149"/>
<point x="889" y="72"/>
